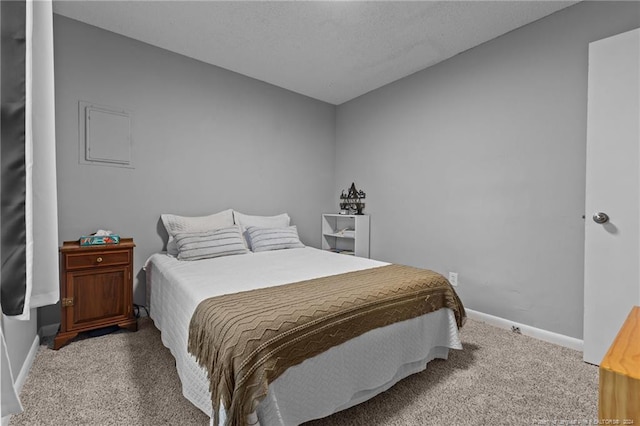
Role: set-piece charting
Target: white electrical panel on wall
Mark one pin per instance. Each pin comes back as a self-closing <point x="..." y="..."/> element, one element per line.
<point x="104" y="135"/>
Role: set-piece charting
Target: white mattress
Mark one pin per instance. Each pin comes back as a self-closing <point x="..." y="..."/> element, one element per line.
<point x="334" y="380"/>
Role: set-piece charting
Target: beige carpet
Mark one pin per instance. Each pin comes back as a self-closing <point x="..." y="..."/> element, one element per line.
<point x="499" y="378"/>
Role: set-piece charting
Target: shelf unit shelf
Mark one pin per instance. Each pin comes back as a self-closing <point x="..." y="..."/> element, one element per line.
<point x="336" y="235"/>
<point x="346" y="234"/>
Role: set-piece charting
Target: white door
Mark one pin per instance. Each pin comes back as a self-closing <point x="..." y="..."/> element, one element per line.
<point x="612" y="248"/>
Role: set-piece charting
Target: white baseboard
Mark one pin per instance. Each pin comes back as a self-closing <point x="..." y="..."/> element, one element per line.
<point x="527" y="330"/>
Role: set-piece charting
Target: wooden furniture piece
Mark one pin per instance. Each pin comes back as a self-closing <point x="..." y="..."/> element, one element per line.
<point x="619" y="398"/>
<point x="96" y="288"/>
<point x="346" y="233"/>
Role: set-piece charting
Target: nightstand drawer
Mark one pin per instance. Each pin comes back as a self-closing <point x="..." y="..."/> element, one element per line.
<point x="86" y="260"/>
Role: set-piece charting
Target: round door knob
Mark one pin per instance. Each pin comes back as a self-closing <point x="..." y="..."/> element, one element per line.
<point x="99" y="260"/>
<point x="601" y="217"/>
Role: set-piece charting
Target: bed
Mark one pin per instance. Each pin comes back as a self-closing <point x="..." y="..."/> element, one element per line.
<point x="339" y="378"/>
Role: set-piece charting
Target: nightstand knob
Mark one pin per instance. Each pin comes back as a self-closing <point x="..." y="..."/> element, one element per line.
<point x="99" y="260"/>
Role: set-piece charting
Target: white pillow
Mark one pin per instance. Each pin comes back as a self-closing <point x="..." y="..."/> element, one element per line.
<point x="265" y="239"/>
<point x="244" y="220"/>
<point x="209" y="244"/>
<point x="179" y="224"/>
<point x="278" y="221"/>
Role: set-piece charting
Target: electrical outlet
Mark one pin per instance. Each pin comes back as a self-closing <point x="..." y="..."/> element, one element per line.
<point x="453" y="278"/>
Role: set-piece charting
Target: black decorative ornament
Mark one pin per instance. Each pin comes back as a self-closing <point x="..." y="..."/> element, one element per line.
<point x="351" y="202"/>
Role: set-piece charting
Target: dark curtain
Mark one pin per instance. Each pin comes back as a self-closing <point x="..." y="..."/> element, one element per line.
<point x="12" y="157"/>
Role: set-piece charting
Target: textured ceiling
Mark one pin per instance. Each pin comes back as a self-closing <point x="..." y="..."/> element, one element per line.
<point x="329" y="50"/>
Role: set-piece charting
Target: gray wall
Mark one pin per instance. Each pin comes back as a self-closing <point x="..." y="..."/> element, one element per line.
<point x="477" y="165"/>
<point x="205" y="139"/>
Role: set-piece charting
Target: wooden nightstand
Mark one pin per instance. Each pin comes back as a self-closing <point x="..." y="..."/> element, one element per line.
<point x="96" y="288"/>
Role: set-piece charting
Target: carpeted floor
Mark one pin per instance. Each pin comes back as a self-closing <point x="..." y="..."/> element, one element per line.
<point x="499" y="378"/>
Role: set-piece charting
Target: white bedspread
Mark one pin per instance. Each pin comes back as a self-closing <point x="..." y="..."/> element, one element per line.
<point x="336" y="379"/>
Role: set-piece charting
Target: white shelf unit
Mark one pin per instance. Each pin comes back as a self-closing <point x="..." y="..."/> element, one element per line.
<point x="346" y="233"/>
